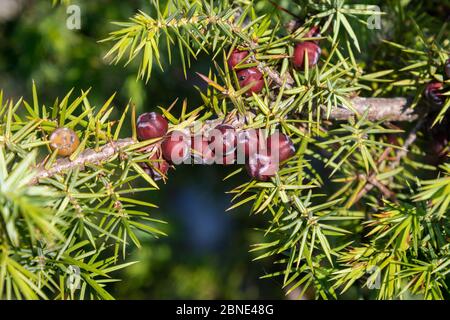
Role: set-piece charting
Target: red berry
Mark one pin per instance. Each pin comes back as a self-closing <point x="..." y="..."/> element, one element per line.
<point x="65" y="141"/>
<point x="247" y="142"/>
<point x="249" y="76"/>
<point x="176" y="147"/>
<point x="236" y="57"/>
<point x="280" y="146"/>
<point x="223" y="140"/>
<point x="433" y="93"/>
<point x="151" y="125"/>
<point x="312" y="50"/>
<point x="261" y="167"/>
<point x="201" y="151"/>
<point x="447" y="68"/>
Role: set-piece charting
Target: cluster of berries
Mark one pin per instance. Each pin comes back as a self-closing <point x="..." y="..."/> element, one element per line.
<point x="254" y="78"/>
<point x="224" y="145"/>
<point x="434" y="90"/>
<point x="249" y="76"/>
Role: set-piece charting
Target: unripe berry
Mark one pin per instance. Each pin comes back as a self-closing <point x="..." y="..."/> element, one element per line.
<point x="433" y="93"/>
<point x="247" y="142"/>
<point x="151" y="125"/>
<point x="65" y="141"/>
<point x="249" y="76"/>
<point x="223" y="140"/>
<point x="176" y="147"/>
<point x="281" y="146"/>
<point x="261" y="167"/>
<point x="312" y="50"/>
<point x="201" y="151"/>
<point x="236" y="57"/>
<point x="447" y="68"/>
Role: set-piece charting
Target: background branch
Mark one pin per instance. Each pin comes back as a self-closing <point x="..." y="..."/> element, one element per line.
<point x="389" y="109"/>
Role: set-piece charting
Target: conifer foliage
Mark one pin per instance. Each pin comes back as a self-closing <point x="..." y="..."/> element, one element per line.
<point x="361" y="202"/>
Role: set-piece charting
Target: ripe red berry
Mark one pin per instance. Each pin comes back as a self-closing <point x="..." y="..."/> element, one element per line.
<point x="447" y="68"/>
<point x="280" y="146"/>
<point x="247" y="142"/>
<point x="223" y="140"/>
<point x="151" y="125"/>
<point x="312" y="50"/>
<point x="201" y="151"/>
<point x="176" y="147"/>
<point x="65" y="141"/>
<point x="236" y="57"/>
<point x="433" y="93"/>
<point x="249" y="76"/>
<point x="261" y="167"/>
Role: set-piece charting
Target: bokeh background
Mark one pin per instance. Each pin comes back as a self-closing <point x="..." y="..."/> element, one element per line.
<point x="206" y="254"/>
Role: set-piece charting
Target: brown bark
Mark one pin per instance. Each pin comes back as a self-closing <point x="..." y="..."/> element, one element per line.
<point x="389" y="109"/>
<point x="88" y="156"/>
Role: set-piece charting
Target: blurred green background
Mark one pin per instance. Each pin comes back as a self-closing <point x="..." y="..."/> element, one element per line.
<point x="206" y="252"/>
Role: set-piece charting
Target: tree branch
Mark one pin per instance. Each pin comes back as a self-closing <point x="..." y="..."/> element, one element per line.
<point x="412" y="136"/>
<point x="372" y="180"/>
<point x="87" y="156"/>
<point x="389" y="109"/>
<point x="394" y="109"/>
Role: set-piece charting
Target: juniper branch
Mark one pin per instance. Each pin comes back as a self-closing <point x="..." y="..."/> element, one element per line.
<point x="412" y="136"/>
<point x="111" y="149"/>
<point x="395" y="109"/>
<point x="88" y="156"/>
<point x="372" y="181"/>
<point x="389" y="109"/>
